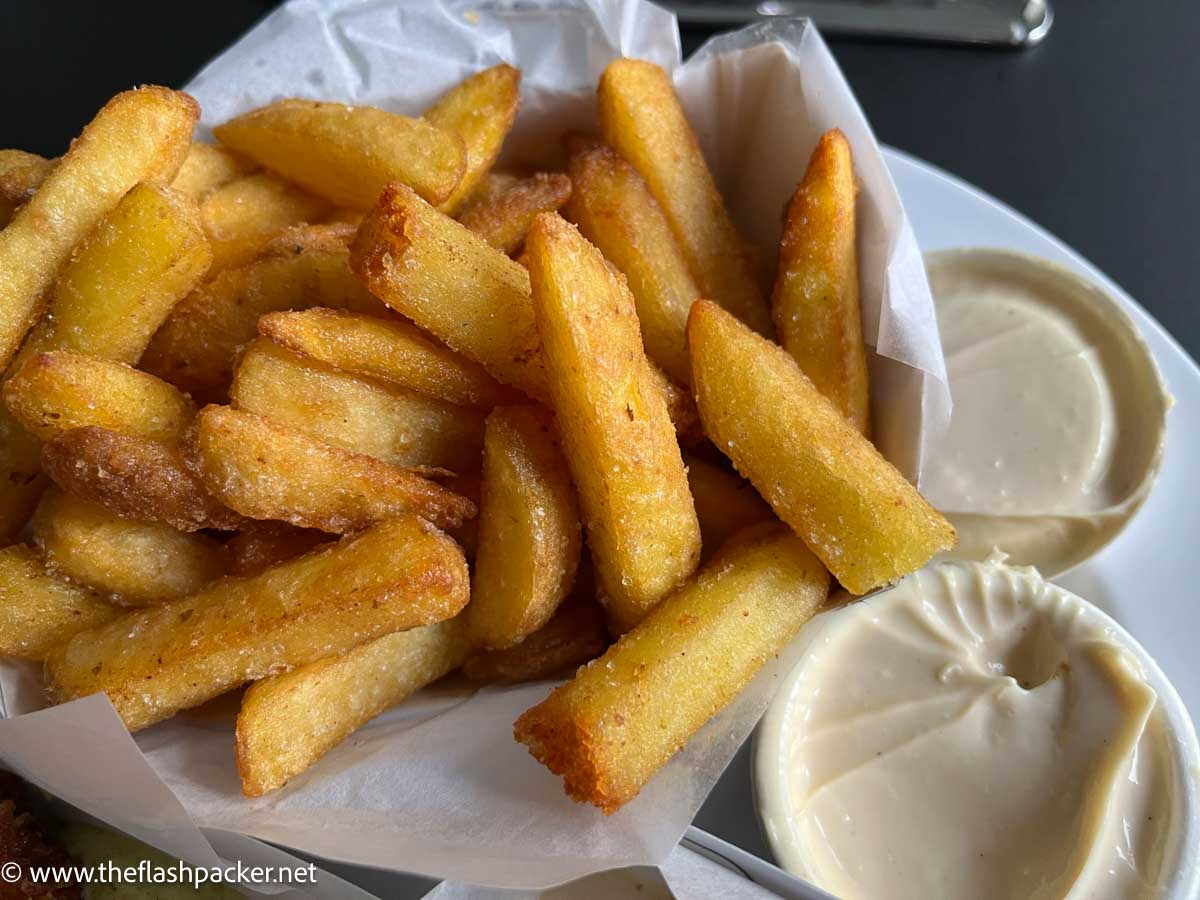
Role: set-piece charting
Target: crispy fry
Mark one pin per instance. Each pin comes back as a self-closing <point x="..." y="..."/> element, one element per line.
<point x="134" y="477"/>
<point x="56" y="392"/>
<point x="390" y="350"/>
<point x="208" y="167"/>
<point x="502" y="218"/>
<point x="39" y="611"/>
<point x="301" y="267"/>
<point x="348" y="154"/>
<point x="154" y="662"/>
<point x="725" y="503"/>
<point x="392" y="424"/>
<point x="139" y="135"/>
<point x="21" y="174"/>
<point x="260" y="545"/>
<point x="619" y="441"/>
<point x="623" y="716"/>
<point x="615" y="210"/>
<point x="268" y="471"/>
<point x="820" y="475"/>
<point x="481" y="110"/>
<point x="681" y="408"/>
<point x="640" y="117"/>
<point x="815" y="302"/>
<point x="257" y="204"/>
<point x="135" y="563"/>
<point x="529" y="537"/>
<point x="576" y="634"/>
<point x="288" y="722"/>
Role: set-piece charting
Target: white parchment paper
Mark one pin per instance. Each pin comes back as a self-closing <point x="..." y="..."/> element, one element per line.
<point x="438" y="786"/>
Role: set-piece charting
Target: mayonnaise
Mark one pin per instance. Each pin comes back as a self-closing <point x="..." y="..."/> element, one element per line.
<point x="974" y="732"/>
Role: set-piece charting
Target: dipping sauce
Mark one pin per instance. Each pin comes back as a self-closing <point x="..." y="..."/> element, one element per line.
<point x="973" y="732"/>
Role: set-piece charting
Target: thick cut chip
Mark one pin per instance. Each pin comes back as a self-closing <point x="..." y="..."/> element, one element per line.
<point x="608" y="730"/>
<point x="503" y="217"/>
<point x="815" y="303"/>
<point x="21" y="174"/>
<point x="300" y="268"/>
<point x="640" y="117"/>
<point x="264" y="470"/>
<point x="616" y="211"/>
<point x="260" y="545"/>
<point x="348" y="154"/>
<point x="820" y="475"/>
<point x="576" y="634"/>
<point x="725" y="503"/>
<point x="57" y="392"/>
<point x="139" y="135"/>
<point x="618" y="436"/>
<point x="154" y="662"/>
<point x="481" y="110"/>
<point x="390" y="423"/>
<point x="529" y="540"/>
<point x="260" y="203"/>
<point x="134" y="477"/>
<point x="390" y="350"/>
<point x="39" y="611"/>
<point x="288" y="722"/>
<point x="208" y="167"/>
<point x="135" y="563"/>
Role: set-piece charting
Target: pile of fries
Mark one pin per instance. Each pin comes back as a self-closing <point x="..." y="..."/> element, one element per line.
<point x="333" y="409"/>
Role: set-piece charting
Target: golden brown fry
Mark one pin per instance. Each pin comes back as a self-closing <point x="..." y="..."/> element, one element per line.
<point x="348" y="154"/>
<point x="576" y="633"/>
<point x="615" y="210"/>
<point x="392" y="424"/>
<point x="256" y="204"/>
<point x="39" y="611"/>
<point x="21" y="174"/>
<point x="135" y="563"/>
<point x="391" y="350"/>
<point x="481" y="110"/>
<point x="440" y="275"/>
<point x="725" y="503"/>
<point x="56" y="392"/>
<point x="820" y="475"/>
<point x="622" y="717"/>
<point x="619" y="441"/>
<point x="681" y="408"/>
<point x="640" y="118"/>
<point x="301" y="267"/>
<point x="260" y="545"/>
<point x="529" y="540"/>
<point x="288" y="722"/>
<point x="154" y="662"/>
<point x="134" y="477"/>
<point x="267" y="471"/>
<point x="139" y="135"/>
<point x="208" y="167"/>
<point x="815" y="302"/>
<point x="503" y="218"/>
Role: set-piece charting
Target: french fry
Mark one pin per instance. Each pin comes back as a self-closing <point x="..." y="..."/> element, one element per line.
<point x="134" y="477"/>
<point x="481" y="110"/>
<point x="640" y="118"/>
<point x="21" y="174"/>
<point x="370" y="417"/>
<point x="260" y="545"/>
<point x="299" y="268"/>
<point x="529" y="536"/>
<point x="208" y="167"/>
<point x="574" y="635"/>
<point x="140" y="135"/>
<point x="858" y="514"/>
<point x="815" y="301"/>
<point x="288" y="722"/>
<point x="39" y="611"/>
<point x="623" y="716"/>
<point x="264" y="470"/>
<point x="390" y="350"/>
<point x="134" y="563"/>
<point x="447" y="279"/>
<point x="681" y="408"/>
<point x="725" y="503"/>
<point x="502" y="218"/>
<point x="616" y="431"/>
<point x="256" y="204"/>
<point x="56" y="392"/>
<point x="615" y="210"/>
<point x="154" y="662"/>
<point x="348" y="154"/>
